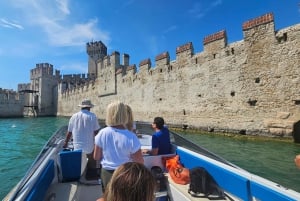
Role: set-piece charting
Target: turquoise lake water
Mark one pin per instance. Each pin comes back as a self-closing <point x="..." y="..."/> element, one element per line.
<point x="22" y="139"/>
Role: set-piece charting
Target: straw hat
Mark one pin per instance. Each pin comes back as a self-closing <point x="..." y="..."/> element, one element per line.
<point x="86" y="103"/>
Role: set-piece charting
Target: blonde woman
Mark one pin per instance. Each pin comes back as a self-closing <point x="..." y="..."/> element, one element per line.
<point x="131" y="181"/>
<point x="130" y="124"/>
<point x="115" y="144"/>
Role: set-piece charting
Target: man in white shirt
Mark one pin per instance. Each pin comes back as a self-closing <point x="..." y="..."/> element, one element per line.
<point x="83" y="126"/>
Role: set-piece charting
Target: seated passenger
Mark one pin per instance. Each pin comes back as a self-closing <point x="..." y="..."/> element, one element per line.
<point x="160" y="139"/>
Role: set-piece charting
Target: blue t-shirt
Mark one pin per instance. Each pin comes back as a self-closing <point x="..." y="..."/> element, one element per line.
<point x="161" y="140"/>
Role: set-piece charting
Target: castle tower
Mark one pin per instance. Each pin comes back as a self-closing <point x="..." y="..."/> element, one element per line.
<point x="96" y="52"/>
<point x="44" y="85"/>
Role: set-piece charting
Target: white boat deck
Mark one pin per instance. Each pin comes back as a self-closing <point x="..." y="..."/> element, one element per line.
<point x="91" y="190"/>
<point x="74" y="191"/>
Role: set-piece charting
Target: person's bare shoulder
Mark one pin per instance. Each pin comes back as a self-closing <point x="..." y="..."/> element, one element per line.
<point x="297" y="160"/>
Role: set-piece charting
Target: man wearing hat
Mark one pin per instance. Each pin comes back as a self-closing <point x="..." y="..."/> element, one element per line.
<point x="83" y="126"/>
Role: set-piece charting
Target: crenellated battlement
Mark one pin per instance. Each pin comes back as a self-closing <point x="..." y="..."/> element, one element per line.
<point x="162" y="59"/>
<point x="215" y="47"/>
<point x="264" y="19"/>
<point x="145" y="62"/>
<point x="10" y="96"/>
<point x="186" y="47"/>
<point x="225" y="87"/>
<point x="24" y="86"/>
<point x="43" y="70"/>
<point x="216" y="36"/>
<point x="96" y="50"/>
<point x="73" y="81"/>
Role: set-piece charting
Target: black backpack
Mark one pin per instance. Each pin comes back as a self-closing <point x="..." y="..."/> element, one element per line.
<point x="202" y="184"/>
<point x="159" y="176"/>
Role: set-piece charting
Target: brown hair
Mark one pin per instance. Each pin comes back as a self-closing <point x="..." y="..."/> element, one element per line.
<point x="131" y="181"/>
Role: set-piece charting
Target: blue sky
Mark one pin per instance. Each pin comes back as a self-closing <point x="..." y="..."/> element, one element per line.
<point x="56" y="31"/>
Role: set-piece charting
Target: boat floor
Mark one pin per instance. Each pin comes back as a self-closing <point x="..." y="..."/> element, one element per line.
<point x="75" y="191"/>
<point x="84" y="190"/>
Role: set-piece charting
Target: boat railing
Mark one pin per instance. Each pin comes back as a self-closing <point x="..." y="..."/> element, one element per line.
<point x="52" y="142"/>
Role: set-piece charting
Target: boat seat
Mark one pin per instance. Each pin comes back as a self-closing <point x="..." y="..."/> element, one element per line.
<point x="71" y="165"/>
<point x="150" y="161"/>
<point x="40" y="187"/>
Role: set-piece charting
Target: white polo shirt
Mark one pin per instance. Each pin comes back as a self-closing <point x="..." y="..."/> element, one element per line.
<point x="117" y="146"/>
<point x="82" y="125"/>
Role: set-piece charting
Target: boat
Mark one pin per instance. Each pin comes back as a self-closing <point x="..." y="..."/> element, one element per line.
<point x="60" y="174"/>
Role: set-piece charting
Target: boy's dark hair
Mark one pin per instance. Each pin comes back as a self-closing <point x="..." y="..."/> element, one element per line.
<point x="159" y="121"/>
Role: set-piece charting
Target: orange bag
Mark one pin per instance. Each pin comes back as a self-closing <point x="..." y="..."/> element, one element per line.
<point x="177" y="172"/>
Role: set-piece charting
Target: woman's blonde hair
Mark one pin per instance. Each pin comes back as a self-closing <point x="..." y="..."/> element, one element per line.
<point x="131" y="181"/>
<point x="116" y="114"/>
<point x="129" y="124"/>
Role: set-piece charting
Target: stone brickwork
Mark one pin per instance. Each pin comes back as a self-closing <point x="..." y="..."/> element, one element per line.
<point x="43" y="90"/>
<point x="11" y="103"/>
<point x="249" y="86"/>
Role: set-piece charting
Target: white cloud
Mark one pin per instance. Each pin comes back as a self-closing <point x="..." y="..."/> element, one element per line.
<point x="196" y="11"/>
<point x="10" y="24"/>
<point x="199" y="11"/>
<point x="55" y="19"/>
<point x="74" y="35"/>
<point x="169" y="29"/>
<point x="216" y="3"/>
<point x="63" y="6"/>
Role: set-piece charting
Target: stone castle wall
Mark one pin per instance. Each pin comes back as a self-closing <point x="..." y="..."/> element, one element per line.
<point x="11" y="103"/>
<point x="249" y="86"/>
<point x="44" y="81"/>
